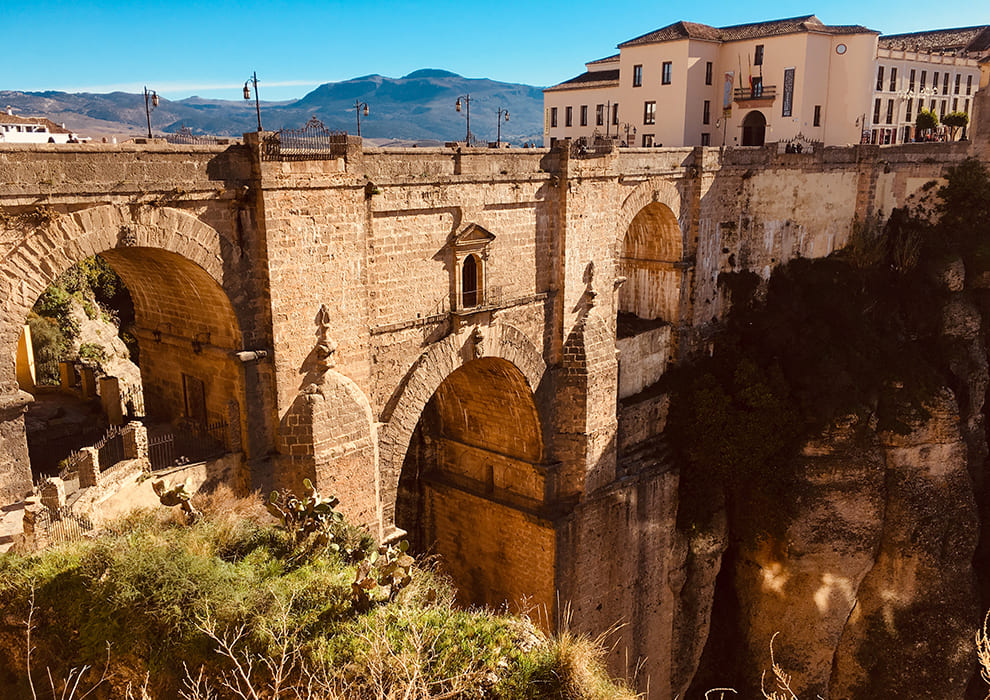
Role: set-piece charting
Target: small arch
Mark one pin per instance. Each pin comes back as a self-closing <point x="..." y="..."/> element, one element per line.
<point x="651" y="250"/>
<point x="470" y="278"/>
<point x="754" y="128"/>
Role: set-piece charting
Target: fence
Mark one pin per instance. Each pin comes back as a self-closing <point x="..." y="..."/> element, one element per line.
<point x="312" y="142"/>
<point x="187" y="444"/>
<point x="185" y="137"/>
<point x="132" y="401"/>
<point x="47" y="373"/>
<point x="110" y="448"/>
<point x="596" y="145"/>
<point x="60" y="524"/>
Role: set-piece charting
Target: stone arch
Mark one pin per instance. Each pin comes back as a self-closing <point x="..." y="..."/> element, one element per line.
<point x="174" y="266"/>
<point x="754" y="128"/>
<point x="654" y="190"/>
<point x="432" y="368"/>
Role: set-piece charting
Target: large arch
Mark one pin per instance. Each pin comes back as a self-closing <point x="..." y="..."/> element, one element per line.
<point x="173" y="264"/>
<point x="754" y="129"/>
<point x="473" y="486"/>
<point x="433" y="366"/>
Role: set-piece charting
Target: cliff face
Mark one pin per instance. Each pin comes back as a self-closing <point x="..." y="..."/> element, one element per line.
<point x="872" y="585"/>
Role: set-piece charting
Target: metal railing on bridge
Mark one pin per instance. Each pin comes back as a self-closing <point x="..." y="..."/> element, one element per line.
<point x="312" y="142"/>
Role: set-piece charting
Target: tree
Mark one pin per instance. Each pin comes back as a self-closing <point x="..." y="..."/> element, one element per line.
<point x="955" y="120"/>
<point x="926" y="120"/>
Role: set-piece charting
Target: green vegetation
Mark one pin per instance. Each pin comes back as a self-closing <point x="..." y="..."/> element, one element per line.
<point x="926" y="120"/>
<point x="94" y="285"/>
<point x="955" y="121"/>
<point x="234" y="605"/>
<point x="852" y="334"/>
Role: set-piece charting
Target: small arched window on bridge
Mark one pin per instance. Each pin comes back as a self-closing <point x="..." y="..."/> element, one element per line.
<point x="469" y="281"/>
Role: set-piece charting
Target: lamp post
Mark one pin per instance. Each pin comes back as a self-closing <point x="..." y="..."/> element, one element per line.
<point x="150" y="102"/>
<point x="498" y="120"/>
<point x="358" y="107"/>
<point x="253" y="80"/>
<point x="628" y="126"/>
<point x="457" y="106"/>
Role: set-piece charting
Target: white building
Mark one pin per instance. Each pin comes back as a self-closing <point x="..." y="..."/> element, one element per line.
<point x="936" y="70"/>
<point x="14" y="129"/>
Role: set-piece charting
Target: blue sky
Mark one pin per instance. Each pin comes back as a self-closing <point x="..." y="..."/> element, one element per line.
<point x="211" y="48"/>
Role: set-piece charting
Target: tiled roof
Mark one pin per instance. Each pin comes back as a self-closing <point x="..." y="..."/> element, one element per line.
<point x="591" y="79"/>
<point x="608" y="59"/>
<point x="33" y="121"/>
<point x="958" y="39"/>
<point x="740" y="32"/>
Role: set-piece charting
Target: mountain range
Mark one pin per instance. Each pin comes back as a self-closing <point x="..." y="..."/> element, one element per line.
<point x="419" y="107"/>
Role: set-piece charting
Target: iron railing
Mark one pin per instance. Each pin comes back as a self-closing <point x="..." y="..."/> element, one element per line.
<point x="589" y="147"/>
<point x="185" y="137"/>
<point x="110" y="448"/>
<point x="187" y="444"/>
<point x="766" y="92"/>
<point x="132" y="401"/>
<point x="47" y="373"/>
<point x="61" y="525"/>
<point x="312" y="142"/>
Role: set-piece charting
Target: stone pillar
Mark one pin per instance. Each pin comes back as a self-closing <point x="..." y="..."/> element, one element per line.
<point x="110" y="398"/>
<point x="234" y="427"/>
<point x="87" y="382"/>
<point x="66" y="375"/>
<point x="135" y="441"/>
<point x="89" y="467"/>
<point x="53" y="494"/>
<point x="15" y="462"/>
<point x="35" y="537"/>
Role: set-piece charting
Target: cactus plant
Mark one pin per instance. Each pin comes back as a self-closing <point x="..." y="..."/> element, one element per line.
<point x="388" y="567"/>
<point x="302" y="517"/>
<point x="176" y="495"/>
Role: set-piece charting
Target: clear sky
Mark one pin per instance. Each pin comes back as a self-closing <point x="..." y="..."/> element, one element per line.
<point x="209" y="48"/>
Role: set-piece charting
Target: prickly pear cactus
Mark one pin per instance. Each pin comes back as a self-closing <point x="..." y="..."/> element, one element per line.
<point x="388" y="568"/>
<point x="305" y="516"/>
<point x="176" y="495"/>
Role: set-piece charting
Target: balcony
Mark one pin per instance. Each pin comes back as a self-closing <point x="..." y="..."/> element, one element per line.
<point x="757" y="93"/>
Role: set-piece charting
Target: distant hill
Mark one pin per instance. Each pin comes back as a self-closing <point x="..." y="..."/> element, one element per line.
<point x="416" y="107"/>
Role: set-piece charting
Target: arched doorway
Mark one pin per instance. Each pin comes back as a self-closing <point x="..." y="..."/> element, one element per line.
<point x="754" y="128"/>
<point x="472" y="486"/>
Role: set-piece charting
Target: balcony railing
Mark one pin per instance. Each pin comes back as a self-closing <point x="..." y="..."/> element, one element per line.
<point x="765" y="92"/>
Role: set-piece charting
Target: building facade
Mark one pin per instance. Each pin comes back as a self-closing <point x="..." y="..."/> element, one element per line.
<point x="792" y="80"/>
<point x="934" y="70"/>
<point x="15" y="129"/>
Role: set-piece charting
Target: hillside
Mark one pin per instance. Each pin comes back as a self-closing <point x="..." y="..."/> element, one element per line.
<point x="418" y="106"/>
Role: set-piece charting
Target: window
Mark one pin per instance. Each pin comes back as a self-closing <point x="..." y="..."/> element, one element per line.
<point x="908" y="115"/>
<point x="600" y="115"/>
<point x="584" y="115"/>
<point x="637" y="76"/>
<point x="893" y="79"/>
<point x="649" y="114"/>
<point x="958" y="79"/>
<point x="818" y="115"/>
<point x="469" y="282"/>
<point x="665" y="72"/>
<point x="615" y="114"/>
<point x="911" y="80"/>
<point x="756" y="89"/>
<point x="890" y="111"/>
<point x="706" y="139"/>
<point x="876" y="111"/>
<point x="706" y="115"/>
<point x="935" y="83"/>
<point x="708" y="73"/>
<point x="568" y="116"/>
<point x="945" y="83"/>
<point x="921" y="105"/>
<point x="553" y="116"/>
<point x="941" y="112"/>
<point x="966" y="108"/>
<point x="955" y="104"/>
<point x="931" y="108"/>
<point x="969" y="84"/>
<point x="923" y="74"/>
<point x="647" y="140"/>
<point x="758" y="58"/>
<point x="879" y="78"/>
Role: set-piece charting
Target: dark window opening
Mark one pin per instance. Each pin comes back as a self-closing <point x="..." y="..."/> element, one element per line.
<point x="818" y="115"/>
<point x="893" y="79"/>
<point x="880" y="78"/>
<point x="708" y="73"/>
<point x="637" y="76"/>
<point x="665" y="75"/>
<point x="706" y="116"/>
<point x="553" y="116"/>
<point x="568" y="116"/>
<point x="469" y="282"/>
<point x="600" y="115"/>
<point x="584" y="115"/>
<point x="758" y="58"/>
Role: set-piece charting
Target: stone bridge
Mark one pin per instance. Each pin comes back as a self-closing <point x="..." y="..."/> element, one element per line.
<point x="463" y="345"/>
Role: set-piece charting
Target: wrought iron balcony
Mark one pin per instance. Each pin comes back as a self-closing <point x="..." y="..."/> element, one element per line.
<point x="763" y="92"/>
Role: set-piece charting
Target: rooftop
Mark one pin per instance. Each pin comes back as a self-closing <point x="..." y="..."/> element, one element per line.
<point x="958" y="39"/>
<point x="591" y="79"/>
<point x="52" y="127"/>
<point x="740" y="32"/>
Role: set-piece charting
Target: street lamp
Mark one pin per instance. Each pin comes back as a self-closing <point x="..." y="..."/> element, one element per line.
<point x="498" y="120"/>
<point x="253" y="80"/>
<point x="457" y="106"/>
<point x="150" y="102"/>
<point x="358" y="107"/>
<point x="628" y="126"/>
